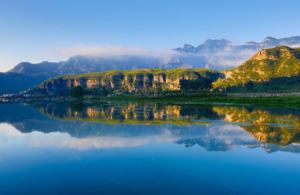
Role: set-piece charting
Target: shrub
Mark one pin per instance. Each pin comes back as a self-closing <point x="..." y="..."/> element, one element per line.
<point x="77" y="92"/>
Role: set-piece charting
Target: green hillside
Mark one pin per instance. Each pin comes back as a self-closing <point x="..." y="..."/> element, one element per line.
<point x="192" y="72"/>
<point x="275" y="69"/>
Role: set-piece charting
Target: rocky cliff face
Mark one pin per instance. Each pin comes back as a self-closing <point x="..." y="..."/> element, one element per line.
<point x="137" y="81"/>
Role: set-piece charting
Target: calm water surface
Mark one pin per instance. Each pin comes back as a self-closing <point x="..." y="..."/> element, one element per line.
<point x="145" y="148"/>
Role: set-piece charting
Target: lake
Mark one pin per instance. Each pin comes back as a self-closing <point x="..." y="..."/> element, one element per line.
<point x="148" y="148"/>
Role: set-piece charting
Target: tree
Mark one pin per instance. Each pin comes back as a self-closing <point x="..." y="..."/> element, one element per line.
<point x="249" y="85"/>
<point x="194" y="85"/>
<point x="104" y="91"/>
<point x="77" y="92"/>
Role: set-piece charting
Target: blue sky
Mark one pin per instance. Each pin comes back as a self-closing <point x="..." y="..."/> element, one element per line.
<point x="36" y="30"/>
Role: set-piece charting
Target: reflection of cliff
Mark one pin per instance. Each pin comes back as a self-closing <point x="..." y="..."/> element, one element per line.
<point x="265" y="126"/>
<point x="85" y="134"/>
<point x="76" y="124"/>
<point x="132" y="113"/>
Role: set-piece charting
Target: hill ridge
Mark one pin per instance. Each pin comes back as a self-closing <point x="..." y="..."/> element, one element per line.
<point x="265" y="65"/>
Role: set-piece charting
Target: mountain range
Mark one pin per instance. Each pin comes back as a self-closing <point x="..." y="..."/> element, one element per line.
<point x="269" y="70"/>
<point x="216" y="54"/>
<point x="215" y="45"/>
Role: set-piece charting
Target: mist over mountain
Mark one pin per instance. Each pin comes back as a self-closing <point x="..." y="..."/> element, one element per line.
<point x="219" y="54"/>
<point x="222" y="54"/>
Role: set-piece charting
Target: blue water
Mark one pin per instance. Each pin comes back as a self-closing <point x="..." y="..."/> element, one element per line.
<point x="46" y="153"/>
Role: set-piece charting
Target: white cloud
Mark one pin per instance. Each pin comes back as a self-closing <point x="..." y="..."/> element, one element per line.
<point x="295" y="46"/>
<point x="224" y="59"/>
<point x="229" y="58"/>
<point x="111" y="51"/>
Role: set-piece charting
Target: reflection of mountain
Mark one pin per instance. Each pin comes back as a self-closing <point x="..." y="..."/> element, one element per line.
<point x="83" y="127"/>
<point x="221" y="137"/>
<point x="267" y="126"/>
<point x="132" y="113"/>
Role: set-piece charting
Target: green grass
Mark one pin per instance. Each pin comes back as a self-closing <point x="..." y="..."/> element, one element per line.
<point x="168" y="72"/>
<point x="287" y="101"/>
<point x="178" y="122"/>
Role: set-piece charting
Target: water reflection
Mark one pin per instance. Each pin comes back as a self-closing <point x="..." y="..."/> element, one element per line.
<point x="271" y="126"/>
<point x="131" y="113"/>
<point x="215" y="128"/>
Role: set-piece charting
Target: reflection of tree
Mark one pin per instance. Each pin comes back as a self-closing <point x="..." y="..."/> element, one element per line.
<point x="131" y="113"/>
<point x="264" y="125"/>
<point x="77" y="92"/>
<point x="217" y="136"/>
<point x="267" y="126"/>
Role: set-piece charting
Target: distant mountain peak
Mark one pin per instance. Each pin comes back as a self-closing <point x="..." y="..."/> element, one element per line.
<point x="252" y="43"/>
<point x="208" y="45"/>
<point x="269" y="38"/>
<point x="217" y="41"/>
<point x="270" y="41"/>
<point x="188" y="46"/>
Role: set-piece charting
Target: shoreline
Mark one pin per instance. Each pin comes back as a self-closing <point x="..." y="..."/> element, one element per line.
<point x="289" y="100"/>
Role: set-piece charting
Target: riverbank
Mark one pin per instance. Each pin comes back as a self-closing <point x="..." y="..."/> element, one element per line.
<point x="263" y="100"/>
<point x="272" y="101"/>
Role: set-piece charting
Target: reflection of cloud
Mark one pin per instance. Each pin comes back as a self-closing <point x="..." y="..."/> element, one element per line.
<point x="37" y="139"/>
<point x="219" y="137"/>
<point x="65" y="140"/>
<point x="230" y="135"/>
<point x="8" y="131"/>
<point x="102" y="142"/>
